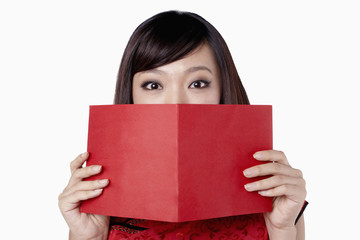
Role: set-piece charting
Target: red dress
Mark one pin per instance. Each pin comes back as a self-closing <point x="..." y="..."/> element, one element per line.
<point x="245" y="227"/>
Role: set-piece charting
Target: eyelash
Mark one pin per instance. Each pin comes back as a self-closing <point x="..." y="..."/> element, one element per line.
<point x="206" y="83"/>
<point x="145" y="85"/>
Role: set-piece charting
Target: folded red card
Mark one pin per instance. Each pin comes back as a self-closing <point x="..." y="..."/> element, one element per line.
<point x="177" y="162"/>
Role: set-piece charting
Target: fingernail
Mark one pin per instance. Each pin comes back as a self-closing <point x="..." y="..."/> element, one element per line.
<point x="257" y="155"/>
<point x="96" y="168"/>
<point x="84" y="154"/>
<point x="247" y="172"/>
<point x="263" y="193"/>
<point x="97" y="191"/>
<point x="103" y="181"/>
<point x="249" y="186"/>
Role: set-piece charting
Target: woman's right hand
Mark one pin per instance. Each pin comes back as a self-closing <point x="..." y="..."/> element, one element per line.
<point x="83" y="225"/>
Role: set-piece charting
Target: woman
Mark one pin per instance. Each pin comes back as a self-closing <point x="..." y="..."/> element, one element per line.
<point x="178" y="57"/>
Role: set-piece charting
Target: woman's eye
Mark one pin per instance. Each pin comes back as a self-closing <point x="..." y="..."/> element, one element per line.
<point x="151" y="86"/>
<point x="199" y="84"/>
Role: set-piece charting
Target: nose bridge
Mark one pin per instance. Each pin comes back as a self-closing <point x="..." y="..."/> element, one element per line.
<point x="176" y="94"/>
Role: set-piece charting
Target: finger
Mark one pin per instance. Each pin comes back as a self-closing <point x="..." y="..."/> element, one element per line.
<point x="81" y="173"/>
<point x="72" y="201"/>
<point x="272" y="169"/>
<point x="78" y="161"/>
<point x="87" y="186"/>
<point x="293" y="192"/>
<point x="274" y="181"/>
<point x="271" y="155"/>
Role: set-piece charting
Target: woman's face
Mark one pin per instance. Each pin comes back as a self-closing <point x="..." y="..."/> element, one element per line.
<point x="194" y="79"/>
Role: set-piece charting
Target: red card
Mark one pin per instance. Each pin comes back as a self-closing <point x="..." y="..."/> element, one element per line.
<point x="177" y="162"/>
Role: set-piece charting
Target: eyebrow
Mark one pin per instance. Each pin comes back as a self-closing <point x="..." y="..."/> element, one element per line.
<point x="189" y="70"/>
<point x="198" y="68"/>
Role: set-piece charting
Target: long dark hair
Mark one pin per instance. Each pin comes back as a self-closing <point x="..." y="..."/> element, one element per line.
<point x="168" y="37"/>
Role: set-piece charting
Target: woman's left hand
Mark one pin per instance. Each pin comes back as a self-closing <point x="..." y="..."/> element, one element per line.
<point x="284" y="183"/>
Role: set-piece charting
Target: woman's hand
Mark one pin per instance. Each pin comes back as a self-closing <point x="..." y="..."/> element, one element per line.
<point x="285" y="184"/>
<point x="83" y="225"/>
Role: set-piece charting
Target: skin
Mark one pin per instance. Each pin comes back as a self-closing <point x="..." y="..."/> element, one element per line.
<point x="193" y="80"/>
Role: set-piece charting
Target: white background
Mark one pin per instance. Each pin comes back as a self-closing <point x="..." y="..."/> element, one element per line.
<point x="58" y="57"/>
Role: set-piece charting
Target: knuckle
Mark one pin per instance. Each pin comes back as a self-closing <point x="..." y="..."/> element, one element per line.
<point x="303" y="183"/>
<point x="87" y="194"/>
<point x="61" y="200"/>
<point x="60" y="197"/>
<point x="87" y="171"/>
<point x="95" y="184"/>
<point x="80" y="173"/>
<point x="72" y="164"/>
<point x="76" y="174"/>
<point x="285" y="188"/>
<point x="79" y="195"/>
<point x="279" y="178"/>
<point x="271" y="191"/>
<point x="281" y="153"/>
<point x="299" y="173"/>
<point x="259" y="170"/>
<point x="282" y="156"/>
<point x="260" y="184"/>
<point x="276" y="166"/>
<point x="76" y="163"/>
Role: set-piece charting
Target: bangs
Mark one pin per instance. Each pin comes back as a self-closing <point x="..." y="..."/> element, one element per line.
<point x="166" y="37"/>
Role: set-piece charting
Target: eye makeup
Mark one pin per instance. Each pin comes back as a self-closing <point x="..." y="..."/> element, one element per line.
<point x="151" y="85"/>
<point x="200" y="84"/>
